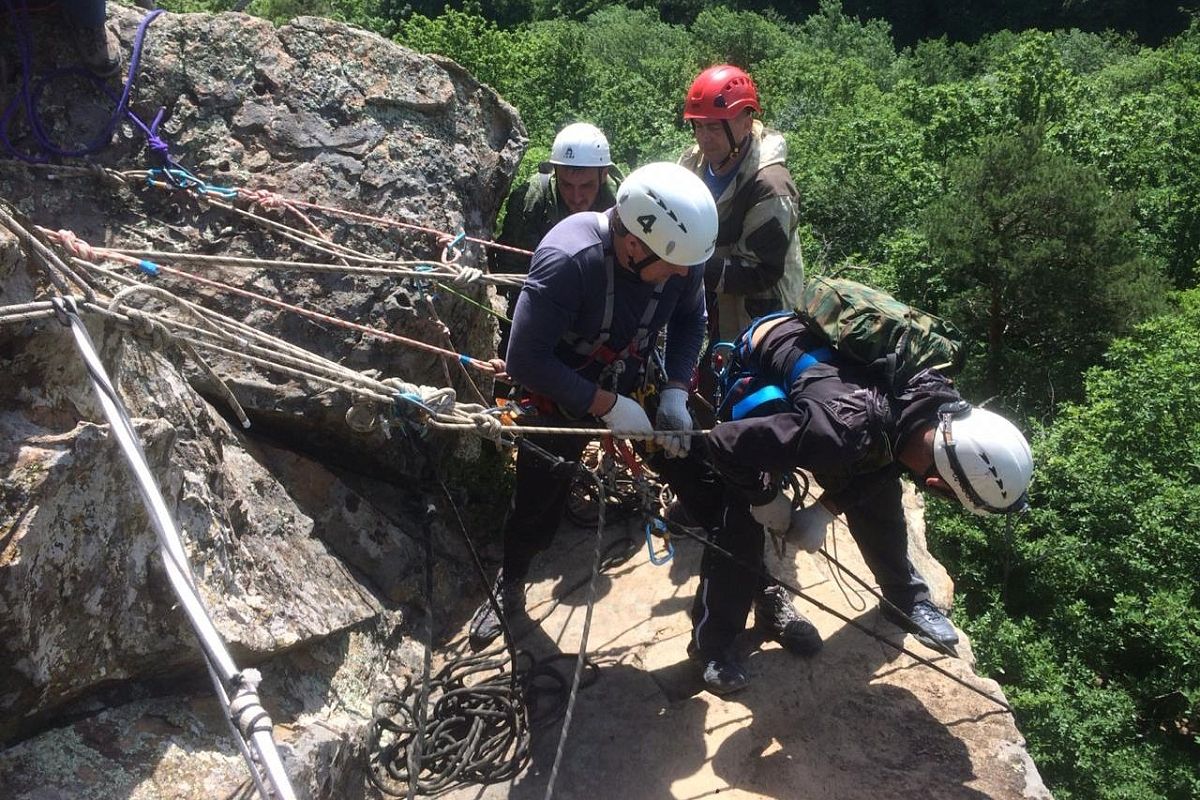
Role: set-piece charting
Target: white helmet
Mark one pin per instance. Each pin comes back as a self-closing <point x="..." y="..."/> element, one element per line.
<point x="671" y="210"/>
<point x="580" y="145"/>
<point x="983" y="457"/>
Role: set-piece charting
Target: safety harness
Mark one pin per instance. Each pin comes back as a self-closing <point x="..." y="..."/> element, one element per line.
<point x="742" y="392"/>
<point x="597" y="349"/>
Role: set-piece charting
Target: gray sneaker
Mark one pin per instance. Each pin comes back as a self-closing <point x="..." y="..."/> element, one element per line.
<point x="776" y="619"/>
<point x="97" y="49"/>
<point x="485" y="625"/>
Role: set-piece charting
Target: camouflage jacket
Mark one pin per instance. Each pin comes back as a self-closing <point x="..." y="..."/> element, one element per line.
<point x="758" y="250"/>
<point x="532" y="209"/>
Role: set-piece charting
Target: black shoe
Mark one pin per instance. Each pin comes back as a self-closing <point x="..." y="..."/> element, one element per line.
<point x="926" y="621"/>
<point x="485" y="625"/>
<point x="721" y="673"/>
<point x="775" y="619"/>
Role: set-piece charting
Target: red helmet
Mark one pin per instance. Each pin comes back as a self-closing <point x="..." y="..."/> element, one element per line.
<point x="720" y="92"/>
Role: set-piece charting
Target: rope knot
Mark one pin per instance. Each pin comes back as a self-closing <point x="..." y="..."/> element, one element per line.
<point x="76" y="246"/>
<point x="145" y="325"/>
<point x="488" y="426"/>
<point x="263" y="197"/>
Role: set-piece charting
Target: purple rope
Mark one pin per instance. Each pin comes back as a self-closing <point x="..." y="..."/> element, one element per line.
<point x="30" y="94"/>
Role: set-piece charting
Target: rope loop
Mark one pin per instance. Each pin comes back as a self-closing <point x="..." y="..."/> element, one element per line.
<point x="363" y="417"/>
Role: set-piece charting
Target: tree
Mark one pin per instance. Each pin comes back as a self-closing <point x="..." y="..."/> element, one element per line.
<point x="1040" y="267"/>
<point x="1088" y="609"/>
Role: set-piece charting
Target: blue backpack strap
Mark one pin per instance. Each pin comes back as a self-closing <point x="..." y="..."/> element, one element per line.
<point x="822" y="355"/>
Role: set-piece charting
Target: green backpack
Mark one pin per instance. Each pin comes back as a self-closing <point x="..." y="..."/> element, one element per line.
<point x="870" y="326"/>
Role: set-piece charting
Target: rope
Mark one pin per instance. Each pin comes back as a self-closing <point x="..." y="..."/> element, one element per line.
<point x="29" y="95"/>
<point x="86" y="252"/>
<point x="798" y="592"/>
<point x="55" y="268"/>
<point x="383" y="268"/>
<point x="391" y="223"/>
<point x="256" y="728"/>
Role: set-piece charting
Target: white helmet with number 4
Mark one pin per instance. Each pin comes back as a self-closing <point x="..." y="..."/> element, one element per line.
<point x="671" y="210"/>
<point x="580" y="145"/>
<point x="984" y="457"/>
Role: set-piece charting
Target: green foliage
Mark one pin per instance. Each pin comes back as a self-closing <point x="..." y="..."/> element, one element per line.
<point x="1040" y="268"/>
<point x="468" y="38"/>
<point x="738" y="37"/>
<point x="1089" y="611"/>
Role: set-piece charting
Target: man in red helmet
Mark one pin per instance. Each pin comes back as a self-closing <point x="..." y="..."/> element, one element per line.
<point x="757" y="267"/>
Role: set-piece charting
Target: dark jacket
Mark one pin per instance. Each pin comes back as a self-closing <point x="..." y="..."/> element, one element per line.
<point x="532" y="209"/>
<point x="844" y="426"/>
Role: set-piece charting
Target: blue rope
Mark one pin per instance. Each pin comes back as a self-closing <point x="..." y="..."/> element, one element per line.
<point x="29" y="95"/>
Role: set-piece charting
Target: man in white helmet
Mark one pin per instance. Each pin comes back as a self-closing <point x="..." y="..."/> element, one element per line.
<point x="857" y="436"/>
<point x="601" y="286"/>
<point x="574" y="179"/>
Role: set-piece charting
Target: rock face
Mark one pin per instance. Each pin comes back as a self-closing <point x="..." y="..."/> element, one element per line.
<point x="312" y="571"/>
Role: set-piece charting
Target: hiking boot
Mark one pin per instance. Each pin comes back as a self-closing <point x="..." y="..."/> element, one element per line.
<point x="721" y="673"/>
<point x="777" y="620"/>
<point x="926" y="621"/>
<point x="485" y="625"/>
<point x="97" y="49"/>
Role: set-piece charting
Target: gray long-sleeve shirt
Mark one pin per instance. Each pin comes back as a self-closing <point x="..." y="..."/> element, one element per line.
<point x="565" y="291"/>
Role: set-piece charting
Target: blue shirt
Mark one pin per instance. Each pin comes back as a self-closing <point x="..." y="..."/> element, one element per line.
<point x="566" y="289"/>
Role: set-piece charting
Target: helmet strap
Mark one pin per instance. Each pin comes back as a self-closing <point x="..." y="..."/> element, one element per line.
<point x="735" y="149"/>
<point x="947" y="413"/>
<point x="638" y="266"/>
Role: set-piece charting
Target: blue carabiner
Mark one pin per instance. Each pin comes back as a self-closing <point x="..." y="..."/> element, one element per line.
<point x="651" y="524"/>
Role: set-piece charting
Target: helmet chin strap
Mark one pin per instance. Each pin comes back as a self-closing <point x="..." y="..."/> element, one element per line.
<point x="638" y="266"/>
<point x="735" y="149"/>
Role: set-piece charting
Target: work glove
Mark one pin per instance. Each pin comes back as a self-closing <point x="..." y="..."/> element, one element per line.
<point x="626" y="417"/>
<point x="775" y="516"/>
<point x="673" y="415"/>
<point x="809" y="526"/>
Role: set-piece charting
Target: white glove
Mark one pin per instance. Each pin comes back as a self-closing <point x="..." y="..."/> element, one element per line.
<point x="673" y="415"/>
<point x="627" y="417"/>
<point x="809" y="526"/>
<point x="775" y="516"/>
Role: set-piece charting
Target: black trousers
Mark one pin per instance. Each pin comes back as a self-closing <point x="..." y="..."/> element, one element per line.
<point x="727" y="590"/>
<point x="540" y="496"/>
